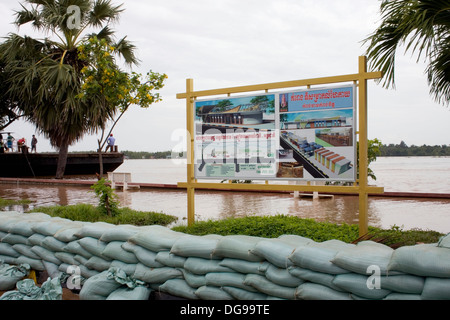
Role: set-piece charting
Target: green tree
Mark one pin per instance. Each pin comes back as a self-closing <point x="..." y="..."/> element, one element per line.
<point x="422" y="26"/>
<point x="45" y="74"/>
<point x="112" y="89"/>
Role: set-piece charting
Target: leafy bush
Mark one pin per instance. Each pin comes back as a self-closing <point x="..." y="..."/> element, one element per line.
<point x="90" y="213"/>
<point x="275" y="226"/>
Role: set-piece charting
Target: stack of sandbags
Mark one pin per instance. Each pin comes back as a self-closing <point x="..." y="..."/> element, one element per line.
<point x="225" y="267"/>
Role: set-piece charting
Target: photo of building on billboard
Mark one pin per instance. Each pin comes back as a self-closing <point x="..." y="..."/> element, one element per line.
<point x="235" y="138"/>
<point x="303" y="135"/>
<point x="318" y="129"/>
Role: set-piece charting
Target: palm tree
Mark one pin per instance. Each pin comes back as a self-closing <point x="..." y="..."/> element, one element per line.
<point x="45" y="74"/>
<point x="423" y="26"/>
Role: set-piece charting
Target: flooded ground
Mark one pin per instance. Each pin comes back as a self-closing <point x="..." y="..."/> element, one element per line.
<point x="413" y="175"/>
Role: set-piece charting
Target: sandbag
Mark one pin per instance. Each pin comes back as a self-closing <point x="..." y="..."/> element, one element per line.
<point x="94" y="229"/>
<point x="34" y="263"/>
<point x="426" y="260"/>
<point x="53" y="244"/>
<point x="138" y="293"/>
<point x="36" y="239"/>
<point x="282" y="277"/>
<point x="262" y="284"/>
<point x="315" y="291"/>
<point x="7" y="249"/>
<point x="324" y="279"/>
<point x="196" y="246"/>
<point x="274" y="251"/>
<point x="119" y="233"/>
<point x="238" y="247"/>
<point x="168" y="259"/>
<point x="233" y="279"/>
<point x="99" y="287"/>
<point x="242" y="294"/>
<point x="75" y="248"/>
<point x="97" y="263"/>
<point x="114" y="251"/>
<point x="128" y="268"/>
<point x="93" y="246"/>
<point x="194" y="280"/>
<point x="156" y="275"/>
<point x="365" y="254"/>
<point x="25" y="250"/>
<point x="317" y="258"/>
<point x="45" y="254"/>
<point x="204" y="266"/>
<point x="243" y="266"/>
<point x="212" y="293"/>
<point x="444" y="242"/>
<point x="403" y="283"/>
<point x="156" y="238"/>
<point x="179" y="288"/>
<point x="10" y="275"/>
<point x="357" y="284"/>
<point x="436" y="289"/>
<point x="28" y="290"/>
<point x="144" y="256"/>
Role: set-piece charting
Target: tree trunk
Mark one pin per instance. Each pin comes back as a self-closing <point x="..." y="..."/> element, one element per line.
<point x="62" y="160"/>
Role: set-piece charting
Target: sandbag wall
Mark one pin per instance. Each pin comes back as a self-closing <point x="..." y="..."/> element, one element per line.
<point x="227" y="267"/>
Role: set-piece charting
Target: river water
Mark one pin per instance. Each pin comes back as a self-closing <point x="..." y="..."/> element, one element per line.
<point x="403" y="174"/>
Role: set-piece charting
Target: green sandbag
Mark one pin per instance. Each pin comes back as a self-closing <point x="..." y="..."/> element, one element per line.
<point x="156" y="275"/>
<point x="144" y="256"/>
<point x="194" y="280"/>
<point x="156" y="238"/>
<point x="138" y="293"/>
<point x="114" y="251"/>
<point x="238" y="247"/>
<point x="315" y="291"/>
<point x="204" y="266"/>
<point x="365" y="254"/>
<point x="274" y="251"/>
<point x="212" y="293"/>
<point x="7" y="249"/>
<point x="10" y="275"/>
<point x="233" y="279"/>
<point x="324" y="279"/>
<point x="436" y="289"/>
<point x="196" y="246"/>
<point x="282" y="277"/>
<point x="357" y="284"/>
<point x="99" y="287"/>
<point x="243" y="266"/>
<point x="179" y="288"/>
<point x="242" y="294"/>
<point x="425" y="260"/>
<point x="262" y="284"/>
<point x="170" y="260"/>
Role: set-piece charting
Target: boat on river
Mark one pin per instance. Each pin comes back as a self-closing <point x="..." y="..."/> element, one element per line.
<point x="16" y="165"/>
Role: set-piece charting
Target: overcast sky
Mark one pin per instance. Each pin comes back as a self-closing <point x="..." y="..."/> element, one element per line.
<point x="225" y="43"/>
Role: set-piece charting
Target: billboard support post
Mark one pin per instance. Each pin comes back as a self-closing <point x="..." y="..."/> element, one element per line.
<point x="361" y="187"/>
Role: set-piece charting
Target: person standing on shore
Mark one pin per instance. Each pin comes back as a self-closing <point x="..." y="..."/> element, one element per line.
<point x="9" y="142"/>
<point x="33" y="144"/>
<point x="111" y="141"/>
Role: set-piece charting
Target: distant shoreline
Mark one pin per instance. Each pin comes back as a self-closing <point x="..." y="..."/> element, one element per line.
<point x="88" y="183"/>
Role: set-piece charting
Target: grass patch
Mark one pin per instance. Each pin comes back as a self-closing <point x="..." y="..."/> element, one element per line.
<point x="6" y="202"/>
<point x="90" y="213"/>
<point x="275" y="226"/>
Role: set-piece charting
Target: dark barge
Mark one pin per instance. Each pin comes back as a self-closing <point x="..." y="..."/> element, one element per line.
<point x="15" y="165"/>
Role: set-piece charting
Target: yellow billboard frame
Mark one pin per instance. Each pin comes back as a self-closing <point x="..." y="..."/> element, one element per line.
<point x="361" y="186"/>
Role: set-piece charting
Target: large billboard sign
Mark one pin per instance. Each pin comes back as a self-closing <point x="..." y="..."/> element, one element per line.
<point x="302" y="135"/>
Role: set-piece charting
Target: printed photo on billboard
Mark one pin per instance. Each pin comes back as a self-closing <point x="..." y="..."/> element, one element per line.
<point x="302" y="135"/>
